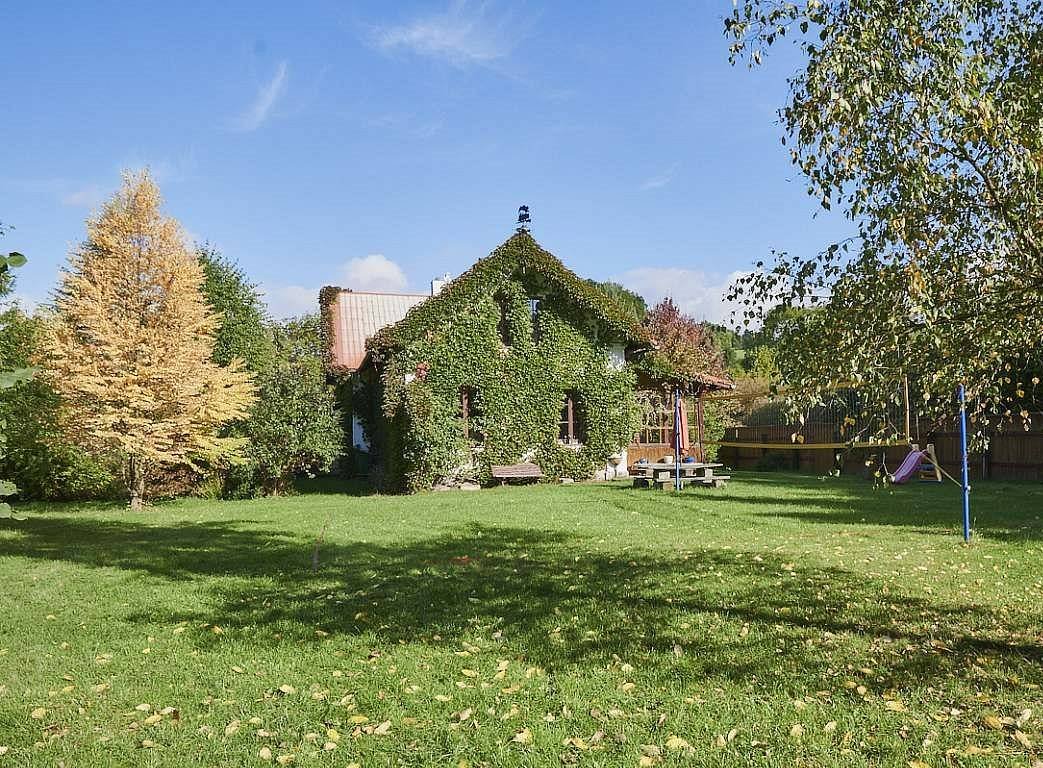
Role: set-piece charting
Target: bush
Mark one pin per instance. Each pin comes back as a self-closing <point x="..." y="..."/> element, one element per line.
<point x="37" y="456"/>
<point x="295" y="427"/>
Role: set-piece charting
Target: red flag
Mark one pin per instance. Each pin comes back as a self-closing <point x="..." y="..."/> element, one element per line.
<point x="683" y="433"/>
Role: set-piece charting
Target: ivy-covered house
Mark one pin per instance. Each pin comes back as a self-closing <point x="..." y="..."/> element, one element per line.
<point x="518" y="359"/>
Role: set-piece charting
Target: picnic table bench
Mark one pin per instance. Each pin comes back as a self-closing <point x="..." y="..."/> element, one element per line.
<point x="523" y="472"/>
<point x="661" y="475"/>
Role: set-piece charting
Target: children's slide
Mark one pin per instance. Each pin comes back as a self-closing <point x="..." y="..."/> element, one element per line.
<point x="909" y="467"/>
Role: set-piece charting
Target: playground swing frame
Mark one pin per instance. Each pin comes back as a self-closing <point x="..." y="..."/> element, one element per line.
<point x="961" y="396"/>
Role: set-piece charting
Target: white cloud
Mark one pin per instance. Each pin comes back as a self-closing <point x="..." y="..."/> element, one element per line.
<point x="290" y="300"/>
<point x="88" y="196"/>
<point x="657" y="182"/>
<point x="698" y="293"/>
<point x="24" y="301"/>
<point x="466" y="33"/>
<point x="262" y="105"/>
<point x="375" y="272"/>
<point x="164" y="170"/>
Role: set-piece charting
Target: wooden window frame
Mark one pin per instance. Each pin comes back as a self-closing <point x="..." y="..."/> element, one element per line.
<point x="657" y="430"/>
<point x="468" y="412"/>
<point x="571" y="430"/>
<point x="503" y="327"/>
<point x="534" y="316"/>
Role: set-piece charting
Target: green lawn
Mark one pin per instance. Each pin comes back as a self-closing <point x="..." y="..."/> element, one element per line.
<point x="779" y="621"/>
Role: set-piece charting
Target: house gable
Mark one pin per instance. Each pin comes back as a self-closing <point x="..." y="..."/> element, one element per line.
<point x="520" y="260"/>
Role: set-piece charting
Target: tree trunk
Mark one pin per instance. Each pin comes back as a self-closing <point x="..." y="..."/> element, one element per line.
<point x="136" y="482"/>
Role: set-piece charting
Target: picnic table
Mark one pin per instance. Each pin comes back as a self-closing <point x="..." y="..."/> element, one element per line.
<point x="661" y="474"/>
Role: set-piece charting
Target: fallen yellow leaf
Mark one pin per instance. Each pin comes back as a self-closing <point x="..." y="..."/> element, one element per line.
<point x="993" y="722"/>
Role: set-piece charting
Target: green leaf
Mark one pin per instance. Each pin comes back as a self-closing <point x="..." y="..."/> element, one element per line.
<point x="9" y="379"/>
<point x="16" y="259"/>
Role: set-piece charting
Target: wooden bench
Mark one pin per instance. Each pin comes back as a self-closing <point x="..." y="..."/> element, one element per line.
<point x="525" y="472"/>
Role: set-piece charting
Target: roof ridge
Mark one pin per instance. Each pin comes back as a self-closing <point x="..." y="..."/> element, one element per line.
<point x="553" y="268"/>
<point x="377" y="293"/>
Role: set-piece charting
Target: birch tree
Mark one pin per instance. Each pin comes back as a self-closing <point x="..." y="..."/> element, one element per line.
<point x="922" y="122"/>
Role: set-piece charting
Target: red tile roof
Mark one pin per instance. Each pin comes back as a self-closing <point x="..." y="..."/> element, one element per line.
<point x="357" y="315"/>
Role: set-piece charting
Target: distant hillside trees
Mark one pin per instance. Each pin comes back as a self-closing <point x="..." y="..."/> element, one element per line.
<point x="629" y="301"/>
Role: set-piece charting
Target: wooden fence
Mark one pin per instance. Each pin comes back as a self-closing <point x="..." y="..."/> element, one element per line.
<point x="1014" y="454"/>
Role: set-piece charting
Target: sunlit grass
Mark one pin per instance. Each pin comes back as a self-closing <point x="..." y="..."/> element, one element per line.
<point x="778" y="621"/>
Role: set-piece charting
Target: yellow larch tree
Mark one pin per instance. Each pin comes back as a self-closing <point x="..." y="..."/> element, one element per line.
<point x="130" y="342"/>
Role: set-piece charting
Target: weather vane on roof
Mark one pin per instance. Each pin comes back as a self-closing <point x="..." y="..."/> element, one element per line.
<point x="524" y="220"/>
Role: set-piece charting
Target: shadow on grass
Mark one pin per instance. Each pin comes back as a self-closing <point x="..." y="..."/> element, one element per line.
<point x="1000" y="510"/>
<point x="558" y="600"/>
<point x="327" y="484"/>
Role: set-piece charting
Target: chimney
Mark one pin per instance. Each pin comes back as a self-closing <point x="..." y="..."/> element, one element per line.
<point x="439" y="283"/>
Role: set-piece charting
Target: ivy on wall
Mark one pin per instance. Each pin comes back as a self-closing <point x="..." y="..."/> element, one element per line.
<point x="410" y="402"/>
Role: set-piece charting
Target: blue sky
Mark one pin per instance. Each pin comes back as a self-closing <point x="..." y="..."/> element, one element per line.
<point x="377" y="145"/>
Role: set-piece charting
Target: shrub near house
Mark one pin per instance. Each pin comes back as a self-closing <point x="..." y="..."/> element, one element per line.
<point x="517" y="359"/>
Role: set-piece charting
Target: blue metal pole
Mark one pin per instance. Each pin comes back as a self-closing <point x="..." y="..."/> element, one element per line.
<point x="677" y="439"/>
<point x="963" y="459"/>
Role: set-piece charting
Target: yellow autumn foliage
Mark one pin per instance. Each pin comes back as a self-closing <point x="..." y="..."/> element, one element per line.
<point x="129" y="345"/>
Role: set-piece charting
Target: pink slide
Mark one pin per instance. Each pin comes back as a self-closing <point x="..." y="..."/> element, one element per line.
<point x="908" y="468"/>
